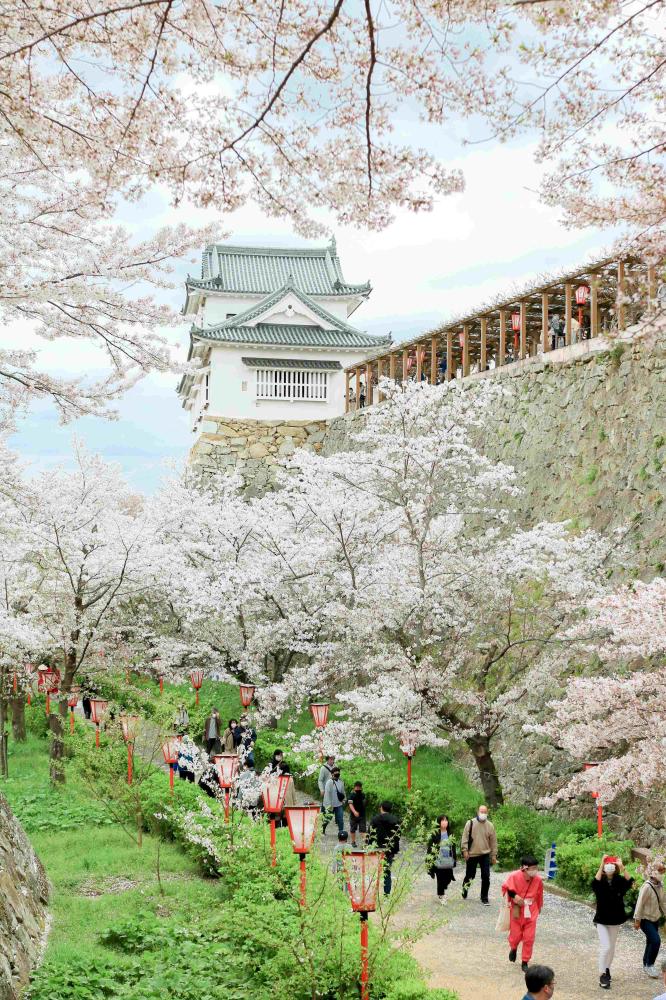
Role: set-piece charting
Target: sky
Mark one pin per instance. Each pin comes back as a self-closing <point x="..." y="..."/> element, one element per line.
<point x="423" y="268"/>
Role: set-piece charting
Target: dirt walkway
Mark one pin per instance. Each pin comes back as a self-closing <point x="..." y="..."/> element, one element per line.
<point x="469" y="956"/>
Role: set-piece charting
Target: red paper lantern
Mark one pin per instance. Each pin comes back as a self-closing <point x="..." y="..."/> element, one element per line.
<point x="48" y="680"/>
<point x="319" y="712"/>
<point x="582" y="295"/>
<point x="196" y="676"/>
<point x="171" y="749"/>
<point x="408" y="744"/>
<point x="274" y="791"/>
<point x="73" y="698"/>
<point x="246" y="694"/>
<point x="129" y="725"/>
<point x="515" y="322"/>
<point x="362" y="871"/>
<point x="98" y="709"/>
<point x="226" y="765"/>
<point x="302" y="823"/>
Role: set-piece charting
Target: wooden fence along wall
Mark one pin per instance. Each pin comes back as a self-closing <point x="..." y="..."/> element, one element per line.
<point x="609" y="294"/>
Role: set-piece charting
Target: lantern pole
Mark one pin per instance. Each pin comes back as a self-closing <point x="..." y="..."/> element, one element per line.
<point x="71" y="720"/>
<point x="48" y="704"/>
<point x="600" y="820"/>
<point x="97" y="734"/>
<point x="365" y="978"/>
<point x="226" y="805"/>
<point x="302" y="867"/>
<point x="409" y="773"/>
<point x="129" y="762"/>
<point x="273" y="846"/>
<point x="161" y="684"/>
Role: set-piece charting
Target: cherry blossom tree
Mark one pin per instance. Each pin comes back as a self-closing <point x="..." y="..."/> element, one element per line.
<point x="618" y="718"/>
<point x="83" y="536"/>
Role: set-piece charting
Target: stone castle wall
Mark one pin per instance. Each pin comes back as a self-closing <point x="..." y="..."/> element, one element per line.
<point x="23" y="899"/>
<point x="253" y="448"/>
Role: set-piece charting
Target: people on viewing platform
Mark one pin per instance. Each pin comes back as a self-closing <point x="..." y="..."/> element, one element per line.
<point x="441" y="856"/>
<point x="540" y="983"/>
<point x="384" y="833"/>
<point x="335" y="797"/>
<point x="650" y="909"/>
<point x="479" y="849"/>
<point x="609" y="886"/>
<point x="523" y="892"/>
<point x="212" y="728"/>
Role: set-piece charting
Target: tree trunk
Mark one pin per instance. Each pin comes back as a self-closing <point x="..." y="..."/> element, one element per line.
<point x="58" y="719"/>
<point x="18" y="719"/>
<point x="4" y="770"/>
<point x="492" y="789"/>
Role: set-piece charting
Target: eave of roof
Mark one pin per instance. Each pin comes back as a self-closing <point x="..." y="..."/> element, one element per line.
<point x="294" y="335"/>
<point x="309" y="364"/>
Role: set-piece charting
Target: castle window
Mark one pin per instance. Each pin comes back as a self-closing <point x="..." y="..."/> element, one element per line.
<point x="290" y="383"/>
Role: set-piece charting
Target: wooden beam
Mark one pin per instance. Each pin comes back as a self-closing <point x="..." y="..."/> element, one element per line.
<point x="433" y="360"/>
<point x="346" y="392"/>
<point x="357" y="402"/>
<point x="449" y="355"/>
<point x="545" y="331"/>
<point x="465" y="352"/>
<point x="369" y="398"/>
<point x="594" y="306"/>
<point x="621" y="311"/>
<point x="405" y="358"/>
<point x="380" y="371"/>
<point x="568" y="305"/>
<point x="523" y="330"/>
<point x="484" y="346"/>
<point x="392" y="360"/>
<point x="501" y="358"/>
<point x="419" y="361"/>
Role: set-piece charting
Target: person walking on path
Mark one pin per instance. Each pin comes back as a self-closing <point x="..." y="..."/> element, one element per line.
<point x="384" y="833"/>
<point x="334" y="800"/>
<point x="540" y="982"/>
<point x="182" y="719"/>
<point x="441" y="856"/>
<point x="247" y="739"/>
<point x="650" y="908"/>
<point x="273" y="767"/>
<point x="337" y="864"/>
<point x="609" y="886"/>
<point x="231" y="737"/>
<point x="523" y="892"/>
<point x="479" y="849"/>
<point x="357" y="812"/>
<point x="325" y="772"/>
<point x="212" y="732"/>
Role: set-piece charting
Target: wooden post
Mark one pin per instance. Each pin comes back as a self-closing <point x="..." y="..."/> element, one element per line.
<point x="392" y="367"/>
<point x="502" y="344"/>
<point x="545" y="338"/>
<point x="568" y="299"/>
<point x="419" y="362"/>
<point x="523" y="330"/>
<point x="433" y="360"/>
<point x="346" y="392"/>
<point x="652" y="285"/>
<point x="380" y="372"/>
<point x="594" y="306"/>
<point x="405" y="359"/>
<point x="369" y="395"/>
<point x="357" y="402"/>
<point x="449" y="355"/>
<point x="621" y="292"/>
<point x="465" y="352"/>
<point x="484" y="335"/>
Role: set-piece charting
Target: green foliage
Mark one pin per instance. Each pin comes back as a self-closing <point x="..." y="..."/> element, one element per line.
<point x="36" y="723"/>
<point x="578" y="859"/>
<point x="50" y="809"/>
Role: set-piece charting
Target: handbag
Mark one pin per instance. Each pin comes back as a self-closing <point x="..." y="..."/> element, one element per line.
<point x="662" y="919"/>
<point x="503" y="917"/>
<point x="341" y="797"/>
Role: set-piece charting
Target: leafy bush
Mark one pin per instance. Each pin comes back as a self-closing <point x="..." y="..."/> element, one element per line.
<point x="578" y="861"/>
<point x="50" y="809"/>
<point x="35" y="718"/>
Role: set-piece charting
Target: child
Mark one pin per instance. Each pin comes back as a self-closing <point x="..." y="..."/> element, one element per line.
<point x="337" y="865"/>
<point x="357" y="812"/>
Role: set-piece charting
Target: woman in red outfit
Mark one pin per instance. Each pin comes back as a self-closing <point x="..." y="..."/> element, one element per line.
<point x="523" y="892"/>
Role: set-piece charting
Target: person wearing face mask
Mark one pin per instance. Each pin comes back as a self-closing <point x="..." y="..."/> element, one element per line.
<point x="540" y="982"/>
<point x="609" y="886"/>
<point x="650" y="908"/>
<point x="523" y="892"/>
<point x="479" y="848"/>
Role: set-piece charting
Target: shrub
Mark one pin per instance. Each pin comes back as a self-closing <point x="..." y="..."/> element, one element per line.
<point x="578" y="860"/>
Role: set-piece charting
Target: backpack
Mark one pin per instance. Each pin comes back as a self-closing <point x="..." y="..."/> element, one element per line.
<point x="470" y="838"/>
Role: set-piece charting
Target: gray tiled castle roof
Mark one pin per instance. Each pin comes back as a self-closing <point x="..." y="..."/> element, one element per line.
<point x="261" y="270"/>
<point x="311" y="364"/>
<point x="296" y="335"/>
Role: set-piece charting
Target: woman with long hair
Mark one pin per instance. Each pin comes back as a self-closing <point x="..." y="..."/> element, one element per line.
<point x="441" y="856"/>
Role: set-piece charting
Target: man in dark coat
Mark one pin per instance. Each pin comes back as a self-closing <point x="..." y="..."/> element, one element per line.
<point x="384" y="833"/>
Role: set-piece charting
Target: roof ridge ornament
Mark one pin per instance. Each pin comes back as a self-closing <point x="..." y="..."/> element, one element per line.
<point x="333" y="245"/>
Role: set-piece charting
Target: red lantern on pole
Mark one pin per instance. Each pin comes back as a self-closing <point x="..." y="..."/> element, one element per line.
<point x="319" y="712"/>
<point x="595" y="795"/>
<point x="170" y="751"/>
<point x="363" y="870"/>
<point x="48" y="681"/>
<point x="515" y="326"/>
<point x="197" y="676"/>
<point x="98" y="709"/>
<point x="129" y="725"/>
<point x="582" y="295"/>
<point x="72" y="702"/>
<point x="274" y="791"/>
<point x="14" y="683"/>
<point x="408" y="745"/>
<point x="302" y="823"/>
<point x="29" y="669"/>
<point x="226" y="765"/>
<point x="246" y="694"/>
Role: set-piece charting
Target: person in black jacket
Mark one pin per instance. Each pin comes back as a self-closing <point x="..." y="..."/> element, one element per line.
<point x="384" y="833"/>
<point x="441" y="856"/>
<point x="609" y="886"/>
